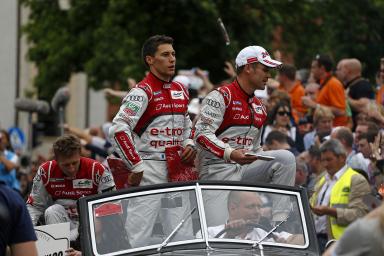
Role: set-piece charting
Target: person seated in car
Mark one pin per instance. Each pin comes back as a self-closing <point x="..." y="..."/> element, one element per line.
<point x="244" y="221"/>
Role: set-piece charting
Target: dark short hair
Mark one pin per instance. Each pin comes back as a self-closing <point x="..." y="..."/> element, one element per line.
<point x="369" y="136"/>
<point x="325" y="61"/>
<point x="314" y="151"/>
<point x="151" y="44"/>
<point x="277" y="136"/>
<point x="343" y="133"/>
<point x="66" y="145"/>
<point x="288" y="71"/>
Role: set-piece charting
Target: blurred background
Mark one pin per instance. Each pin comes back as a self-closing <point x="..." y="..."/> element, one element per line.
<point x="90" y="45"/>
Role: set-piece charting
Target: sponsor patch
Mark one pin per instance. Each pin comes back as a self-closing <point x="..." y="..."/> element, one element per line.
<point x="82" y="183"/>
<point x="213" y="103"/>
<point x="177" y="95"/>
<point x="135" y="98"/>
<point x="258" y="108"/>
<point x="156" y="93"/>
<point x="236" y="102"/>
<point x="131" y="108"/>
<point x="211" y="114"/>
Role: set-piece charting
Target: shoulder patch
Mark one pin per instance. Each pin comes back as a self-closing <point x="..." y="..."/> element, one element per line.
<point x="226" y="94"/>
<point x="146" y="88"/>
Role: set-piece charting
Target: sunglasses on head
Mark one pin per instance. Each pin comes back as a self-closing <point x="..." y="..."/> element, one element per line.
<point x="282" y="113"/>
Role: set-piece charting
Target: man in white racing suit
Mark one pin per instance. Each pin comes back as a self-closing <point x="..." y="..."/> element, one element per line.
<point x="230" y="126"/>
<point x="153" y="116"/>
<point x="60" y="182"/>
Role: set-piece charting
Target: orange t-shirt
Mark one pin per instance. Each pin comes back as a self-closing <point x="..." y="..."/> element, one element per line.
<point x="380" y="95"/>
<point x="298" y="110"/>
<point x="332" y="94"/>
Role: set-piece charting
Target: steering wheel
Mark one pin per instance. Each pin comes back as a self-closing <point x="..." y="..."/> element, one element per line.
<point x="250" y="225"/>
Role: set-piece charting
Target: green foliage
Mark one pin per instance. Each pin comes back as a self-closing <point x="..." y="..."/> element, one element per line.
<point x="103" y="37"/>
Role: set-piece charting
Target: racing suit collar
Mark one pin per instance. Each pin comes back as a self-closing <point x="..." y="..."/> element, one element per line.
<point x="243" y="94"/>
<point x="155" y="81"/>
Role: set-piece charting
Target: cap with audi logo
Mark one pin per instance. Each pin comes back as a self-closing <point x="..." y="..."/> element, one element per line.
<point x="252" y="54"/>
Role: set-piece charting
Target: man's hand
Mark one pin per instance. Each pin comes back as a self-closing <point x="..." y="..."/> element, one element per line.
<point x="308" y="102"/>
<point x="237" y="228"/>
<point x="72" y="252"/>
<point x="238" y="155"/>
<point x="188" y="155"/>
<point x="229" y="70"/>
<point x="376" y="147"/>
<point x="321" y="210"/>
<point x="134" y="178"/>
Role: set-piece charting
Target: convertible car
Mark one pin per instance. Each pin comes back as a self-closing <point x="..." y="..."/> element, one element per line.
<point x="198" y="218"/>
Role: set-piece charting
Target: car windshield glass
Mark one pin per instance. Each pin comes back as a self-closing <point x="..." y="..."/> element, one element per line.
<point x="250" y="215"/>
<point x="145" y="221"/>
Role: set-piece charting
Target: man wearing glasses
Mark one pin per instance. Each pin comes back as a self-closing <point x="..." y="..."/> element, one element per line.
<point x="228" y="132"/>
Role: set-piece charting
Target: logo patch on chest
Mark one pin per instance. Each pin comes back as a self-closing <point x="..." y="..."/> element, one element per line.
<point x="258" y="109"/>
<point x="82" y="183"/>
<point x="177" y="95"/>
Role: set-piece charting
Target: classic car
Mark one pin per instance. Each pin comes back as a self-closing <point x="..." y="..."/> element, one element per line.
<point x="198" y="218"/>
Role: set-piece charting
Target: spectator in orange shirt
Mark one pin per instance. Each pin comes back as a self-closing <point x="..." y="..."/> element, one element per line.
<point x="331" y="92"/>
<point x="294" y="88"/>
<point x="359" y="90"/>
<point x="380" y="92"/>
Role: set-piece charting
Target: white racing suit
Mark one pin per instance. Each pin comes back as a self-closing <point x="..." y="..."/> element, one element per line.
<point x="231" y="119"/>
<point x="55" y="195"/>
<point x="152" y="116"/>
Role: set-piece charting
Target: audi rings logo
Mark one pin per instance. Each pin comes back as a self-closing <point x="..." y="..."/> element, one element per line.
<point x="213" y="103"/>
<point x="136" y="98"/>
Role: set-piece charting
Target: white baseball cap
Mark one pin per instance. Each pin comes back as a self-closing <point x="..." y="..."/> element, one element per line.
<point x="253" y="54"/>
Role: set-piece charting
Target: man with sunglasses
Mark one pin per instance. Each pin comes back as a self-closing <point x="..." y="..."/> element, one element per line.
<point x="229" y="129"/>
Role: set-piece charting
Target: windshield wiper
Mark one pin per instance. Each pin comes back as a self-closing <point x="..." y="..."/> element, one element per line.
<point x="165" y="242"/>
<point x="259" y="243"/>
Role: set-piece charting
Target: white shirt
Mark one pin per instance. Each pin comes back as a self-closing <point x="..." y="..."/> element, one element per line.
<point x="324" y="196"/>
<point x="255" y="234"/>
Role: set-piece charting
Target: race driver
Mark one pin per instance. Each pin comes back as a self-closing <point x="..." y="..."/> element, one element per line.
<point x="152" y="117"/>
<point x="63" y="181"/>
<point x="230" y="125"/>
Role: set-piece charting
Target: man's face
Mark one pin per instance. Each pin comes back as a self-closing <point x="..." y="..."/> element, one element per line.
<point x="364" y="148"/>
<point x="248" y="207"/>
<point x="331" y="162"/>
<point x="259" y="75"/>
<point x="69" y="165"/>
<point x="301" y="177"/>
<point x="360" y="129"/>
<point x="316" y="70"/>
<point x="324" y="125"/>
<point x="311" y="91"/>
<point x="164" y="62"/>
<point x="341" y="71"/>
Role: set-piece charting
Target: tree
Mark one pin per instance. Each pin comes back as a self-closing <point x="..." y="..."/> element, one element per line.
<point x="103" y="38"/>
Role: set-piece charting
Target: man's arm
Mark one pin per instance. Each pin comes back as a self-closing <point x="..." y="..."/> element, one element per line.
<point x="211" y="116"/>
<point x="356" y="207"/>
<point x="22" y="235"/>
<point x="38" y="199"/>
<point x="121" y="132"/>
<point x="9" y="164"/>
<point x="104" y="178"/>
<point x="22" y="249"/>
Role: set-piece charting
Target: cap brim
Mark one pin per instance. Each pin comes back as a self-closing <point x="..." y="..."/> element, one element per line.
<point x="271" y="63"/>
